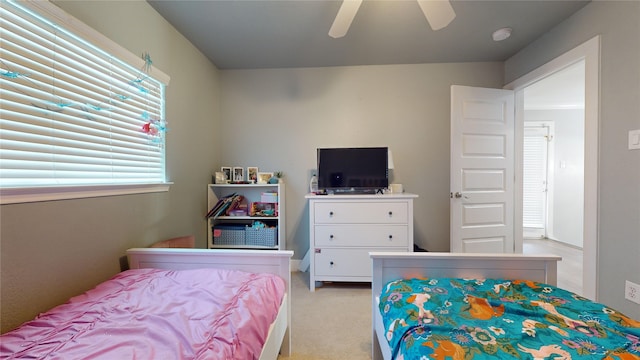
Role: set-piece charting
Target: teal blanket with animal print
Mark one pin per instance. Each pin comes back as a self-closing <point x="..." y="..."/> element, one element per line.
<point x="451" y="318"/>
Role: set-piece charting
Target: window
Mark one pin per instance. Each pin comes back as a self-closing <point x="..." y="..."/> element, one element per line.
<point x="74" y="117"/>
<point x="535" y="164"/>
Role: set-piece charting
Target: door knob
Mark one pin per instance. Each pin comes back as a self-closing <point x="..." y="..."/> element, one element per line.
<point x="458" y="195"/>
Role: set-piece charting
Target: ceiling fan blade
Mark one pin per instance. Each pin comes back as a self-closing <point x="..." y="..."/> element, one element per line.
<point x="345" y="16"/>
<point x="439" y="13"/>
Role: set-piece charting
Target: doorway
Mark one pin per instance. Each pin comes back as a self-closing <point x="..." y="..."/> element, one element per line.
<point x="587" y="56"/>
<point x="537" y="160"/>
<point x="553" y="170"/>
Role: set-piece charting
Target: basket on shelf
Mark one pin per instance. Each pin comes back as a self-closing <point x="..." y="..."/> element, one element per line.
<point x="261" y="236"/>
<point x="229" y="234"/>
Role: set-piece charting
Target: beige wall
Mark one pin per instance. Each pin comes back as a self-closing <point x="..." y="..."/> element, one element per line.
<point x="618" y="24"/>
<point x="275" y="119"/>
<point x="51" y="251"/>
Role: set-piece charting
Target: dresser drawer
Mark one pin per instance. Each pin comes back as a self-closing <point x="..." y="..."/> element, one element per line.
<point x="369" y="235"/>
<point x="344" y="262"/>
<point x="361" y="213"/>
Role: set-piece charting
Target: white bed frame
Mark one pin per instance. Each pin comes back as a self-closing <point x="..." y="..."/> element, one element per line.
<point x="389" y="266"/>
<point x="256" y="261"/>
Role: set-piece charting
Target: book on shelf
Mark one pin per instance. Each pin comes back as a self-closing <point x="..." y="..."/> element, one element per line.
<point x="235" y="203"/>
<point x="221" y="206"/>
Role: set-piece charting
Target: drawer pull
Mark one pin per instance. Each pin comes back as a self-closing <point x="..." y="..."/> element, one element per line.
<point x="331" y="263"/>
<point x="331" y="236"/>
<point x="390" y="237"/>
<point x="390" y="213"/>
<point x="330" y="213"/>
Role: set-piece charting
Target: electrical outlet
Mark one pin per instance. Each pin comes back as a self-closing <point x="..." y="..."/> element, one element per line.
<point x="632" y="292"/>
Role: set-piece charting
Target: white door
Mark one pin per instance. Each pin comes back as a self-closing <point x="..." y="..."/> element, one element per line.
<point x="482" y="170"/>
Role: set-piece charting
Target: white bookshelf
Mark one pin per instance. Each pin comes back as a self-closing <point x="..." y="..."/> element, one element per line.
<point x="252" y="193"/>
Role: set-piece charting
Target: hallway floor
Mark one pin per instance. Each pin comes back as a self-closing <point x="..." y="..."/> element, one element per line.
<point x="569" y="269"/>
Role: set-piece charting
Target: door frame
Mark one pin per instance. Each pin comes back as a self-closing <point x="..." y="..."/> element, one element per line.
<point x="589" y="51"/>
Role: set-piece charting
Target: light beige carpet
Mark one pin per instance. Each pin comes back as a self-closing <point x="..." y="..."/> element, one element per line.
<point x="332" y="323"/>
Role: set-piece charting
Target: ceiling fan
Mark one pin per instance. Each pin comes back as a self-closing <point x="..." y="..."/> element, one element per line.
<point x="439" y="14"/>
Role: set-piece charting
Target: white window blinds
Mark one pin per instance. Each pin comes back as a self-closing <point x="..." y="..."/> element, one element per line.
<point x="72" y="114"/>
<point x="535" y="177"/>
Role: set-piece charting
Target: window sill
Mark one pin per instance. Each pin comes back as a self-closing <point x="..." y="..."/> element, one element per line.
<point x="36" y="194"/>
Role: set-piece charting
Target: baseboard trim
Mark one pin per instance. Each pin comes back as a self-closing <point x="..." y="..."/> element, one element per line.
<point x="295" y="265"/>
<point x="557" y="241"/>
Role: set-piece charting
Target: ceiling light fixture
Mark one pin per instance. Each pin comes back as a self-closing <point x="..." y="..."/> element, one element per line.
<point x="501" y="34"/>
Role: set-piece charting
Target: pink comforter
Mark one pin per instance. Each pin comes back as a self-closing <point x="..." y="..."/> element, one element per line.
<point x="156" y="314"/>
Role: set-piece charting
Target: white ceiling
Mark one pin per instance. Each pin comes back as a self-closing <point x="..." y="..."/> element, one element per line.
<point x="253" y="34"/>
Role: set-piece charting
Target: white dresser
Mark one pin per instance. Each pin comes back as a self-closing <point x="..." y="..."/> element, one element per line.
<point x="343" y="229"/>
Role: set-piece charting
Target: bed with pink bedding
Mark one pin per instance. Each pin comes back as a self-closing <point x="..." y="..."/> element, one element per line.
<point x="195" y="311"/>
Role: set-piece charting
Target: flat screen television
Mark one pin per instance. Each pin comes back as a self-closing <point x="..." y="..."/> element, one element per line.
<point x="353" y="170"/>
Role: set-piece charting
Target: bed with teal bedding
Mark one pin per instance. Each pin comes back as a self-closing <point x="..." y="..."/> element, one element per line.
<point x="457" y="318"/>
<point x="466" y="306"/>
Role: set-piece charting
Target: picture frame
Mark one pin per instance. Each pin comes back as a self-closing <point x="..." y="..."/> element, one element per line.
<point x="227" y="172"/>
<point x="238" y="174"/>
<point x="263" y="177"/>
<point x="220" y="178"/>
<point x="252" y="174"/>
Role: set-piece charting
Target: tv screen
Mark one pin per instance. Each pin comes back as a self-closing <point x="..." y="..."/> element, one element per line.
<point x="353" y="169"/>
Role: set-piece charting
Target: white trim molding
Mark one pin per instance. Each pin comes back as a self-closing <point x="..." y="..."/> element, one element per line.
<point x="37" y="194"/>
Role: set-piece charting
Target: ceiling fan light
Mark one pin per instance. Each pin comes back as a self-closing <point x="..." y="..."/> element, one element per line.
<point x="343" y="19"/>
<point x="501" y="34"/>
